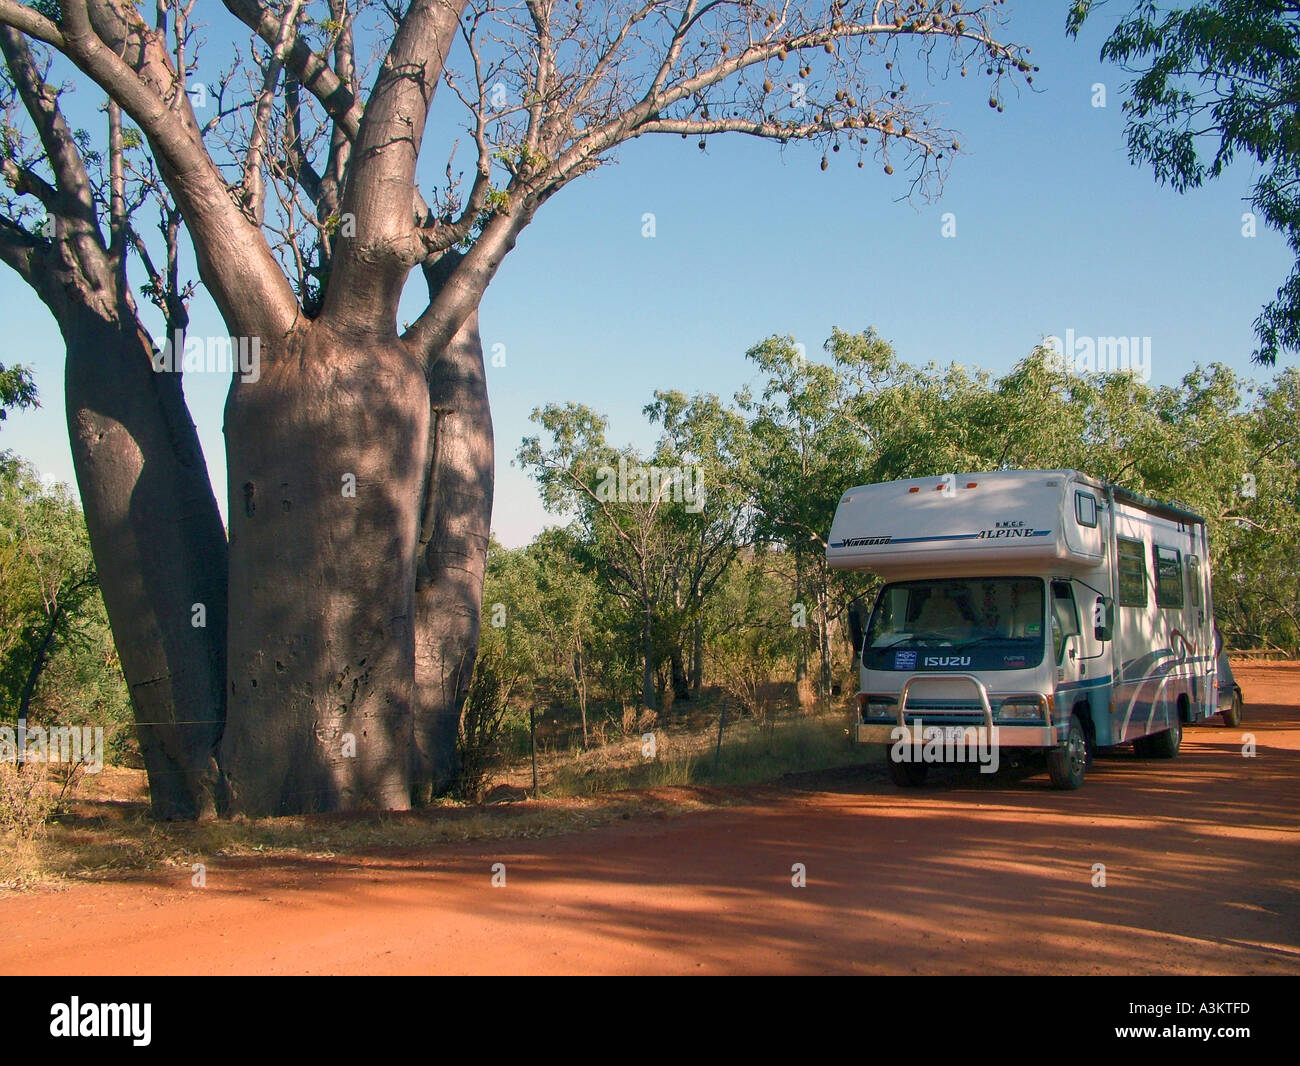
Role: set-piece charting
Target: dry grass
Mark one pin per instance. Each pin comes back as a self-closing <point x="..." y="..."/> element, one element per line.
<point x="752" y="752"/>
<point x="106" y="830"/>
<point x="96" y="847"/>
<point x="27" y="798"/>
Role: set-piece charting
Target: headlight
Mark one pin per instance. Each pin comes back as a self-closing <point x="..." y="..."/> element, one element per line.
<point x="882" y="709"/>
<point x="1021" y="711"/>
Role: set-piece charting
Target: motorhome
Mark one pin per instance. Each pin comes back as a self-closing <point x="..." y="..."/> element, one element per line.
<point x="1027" y="609"/>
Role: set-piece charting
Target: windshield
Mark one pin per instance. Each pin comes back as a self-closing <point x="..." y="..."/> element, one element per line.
<point x="994" y="623"/>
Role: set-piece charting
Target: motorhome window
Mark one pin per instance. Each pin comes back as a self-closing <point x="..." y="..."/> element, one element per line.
<point x="1132" y="573"/>
<point x="1194" y="579"/>
<point x="1085" y="509"/>
<point x="1067" y="618"/>
<point x="1169" y="577"/>
<point x="970" y="623"/>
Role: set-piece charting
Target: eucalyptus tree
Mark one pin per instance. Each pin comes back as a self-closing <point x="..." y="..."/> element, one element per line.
<point x="700" y="433"/>
<point x="1215" y="81"/>
<point x="17" y="389"/>
<point x="360" y="462"/>
<point x="620" y="514"/>
<point x="549" y="613"/>
<point x="808" y="448"/>
<point x="48" y="580"/>
<point x="570" y="612"/>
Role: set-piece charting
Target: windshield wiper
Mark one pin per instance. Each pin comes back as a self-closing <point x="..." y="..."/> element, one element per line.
<point x="989" y="640"/>
<point x="912" y="638"/>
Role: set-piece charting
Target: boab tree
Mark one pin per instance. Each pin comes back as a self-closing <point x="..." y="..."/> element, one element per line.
<point x="360" y="460"/>
<point x="71" y="215"/>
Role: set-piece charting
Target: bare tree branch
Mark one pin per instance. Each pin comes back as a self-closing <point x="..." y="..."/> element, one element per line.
<point x="115" y="47"/>
<point x="370" y="267"/>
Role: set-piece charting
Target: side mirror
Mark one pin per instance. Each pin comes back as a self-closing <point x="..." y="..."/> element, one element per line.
<point x="855" y="626"/>
<point x="1101" y="629"/>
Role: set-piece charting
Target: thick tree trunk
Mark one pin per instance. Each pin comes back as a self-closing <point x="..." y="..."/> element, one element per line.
<point x="159" y="550"/>
<point x="681" y="685"/>
<point x="326" y="455"/>
<point x="455" y="525"/>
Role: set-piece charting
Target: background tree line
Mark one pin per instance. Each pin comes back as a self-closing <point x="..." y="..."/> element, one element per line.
<point x="58" y="665"/>
<point x="639" y="603"/>
<point x="633" y="606"/>
<point x="310" y="162"/>
<point x="57" y="660"/>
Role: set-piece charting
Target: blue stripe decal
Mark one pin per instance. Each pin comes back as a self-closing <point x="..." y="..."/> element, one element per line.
<point x="947" y="537"/>
<point x="1093" y="683"/>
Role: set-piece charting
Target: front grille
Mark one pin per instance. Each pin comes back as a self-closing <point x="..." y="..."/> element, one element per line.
<point x="945" y="712"/>
<point x="945" y="706"/>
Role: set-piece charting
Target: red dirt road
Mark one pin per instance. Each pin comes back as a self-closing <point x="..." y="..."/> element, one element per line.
<point x="971" y="875"/>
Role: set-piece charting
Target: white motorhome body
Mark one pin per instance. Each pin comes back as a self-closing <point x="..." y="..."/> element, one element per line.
<point x="1023" y="601"/>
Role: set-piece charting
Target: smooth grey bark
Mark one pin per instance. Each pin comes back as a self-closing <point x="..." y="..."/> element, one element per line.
<point x="155" y="532"/>
<point x="320" y="651"/>
<point x="159" y="550"/>
<point x="326" y="458"/>
<point x="456" y="516"/>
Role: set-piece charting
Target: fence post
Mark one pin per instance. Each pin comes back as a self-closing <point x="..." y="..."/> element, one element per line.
<point x="722" y="720"/>
<point x="532" y="745"/>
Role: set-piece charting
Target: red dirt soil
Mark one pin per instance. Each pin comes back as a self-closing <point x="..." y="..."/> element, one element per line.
<point x="975" y="874"/>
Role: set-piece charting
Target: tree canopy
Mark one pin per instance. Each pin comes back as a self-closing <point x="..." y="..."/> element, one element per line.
<point x="1218" y="80"/>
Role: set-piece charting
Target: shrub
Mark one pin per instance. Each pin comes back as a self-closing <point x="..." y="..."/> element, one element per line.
<point x="482" y="726"/>
<point x="25" y="802"/>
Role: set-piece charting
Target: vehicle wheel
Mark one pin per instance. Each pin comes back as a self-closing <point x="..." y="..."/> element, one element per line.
<point x="1165" y="745"/>
<point x="1142" y="747"/>
<point x="1232" y="716"/>
<point x="1067" y="764"/>
<point x="907" y="774"/>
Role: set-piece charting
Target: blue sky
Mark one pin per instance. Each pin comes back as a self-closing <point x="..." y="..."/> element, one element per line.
<point x="1055" y="230"/>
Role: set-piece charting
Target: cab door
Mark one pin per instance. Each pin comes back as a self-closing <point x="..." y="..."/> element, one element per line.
<point x="1200" y="623"/>
<point x="1067" y="641"/>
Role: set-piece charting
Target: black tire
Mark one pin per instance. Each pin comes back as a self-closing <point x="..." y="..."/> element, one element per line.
<point x="1232" y="716"/>
<point x="907" y="774"/>
<point x="1165" y="745"/>
<point x="1068" y="764"/>
<point x="1142" y="747"/>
